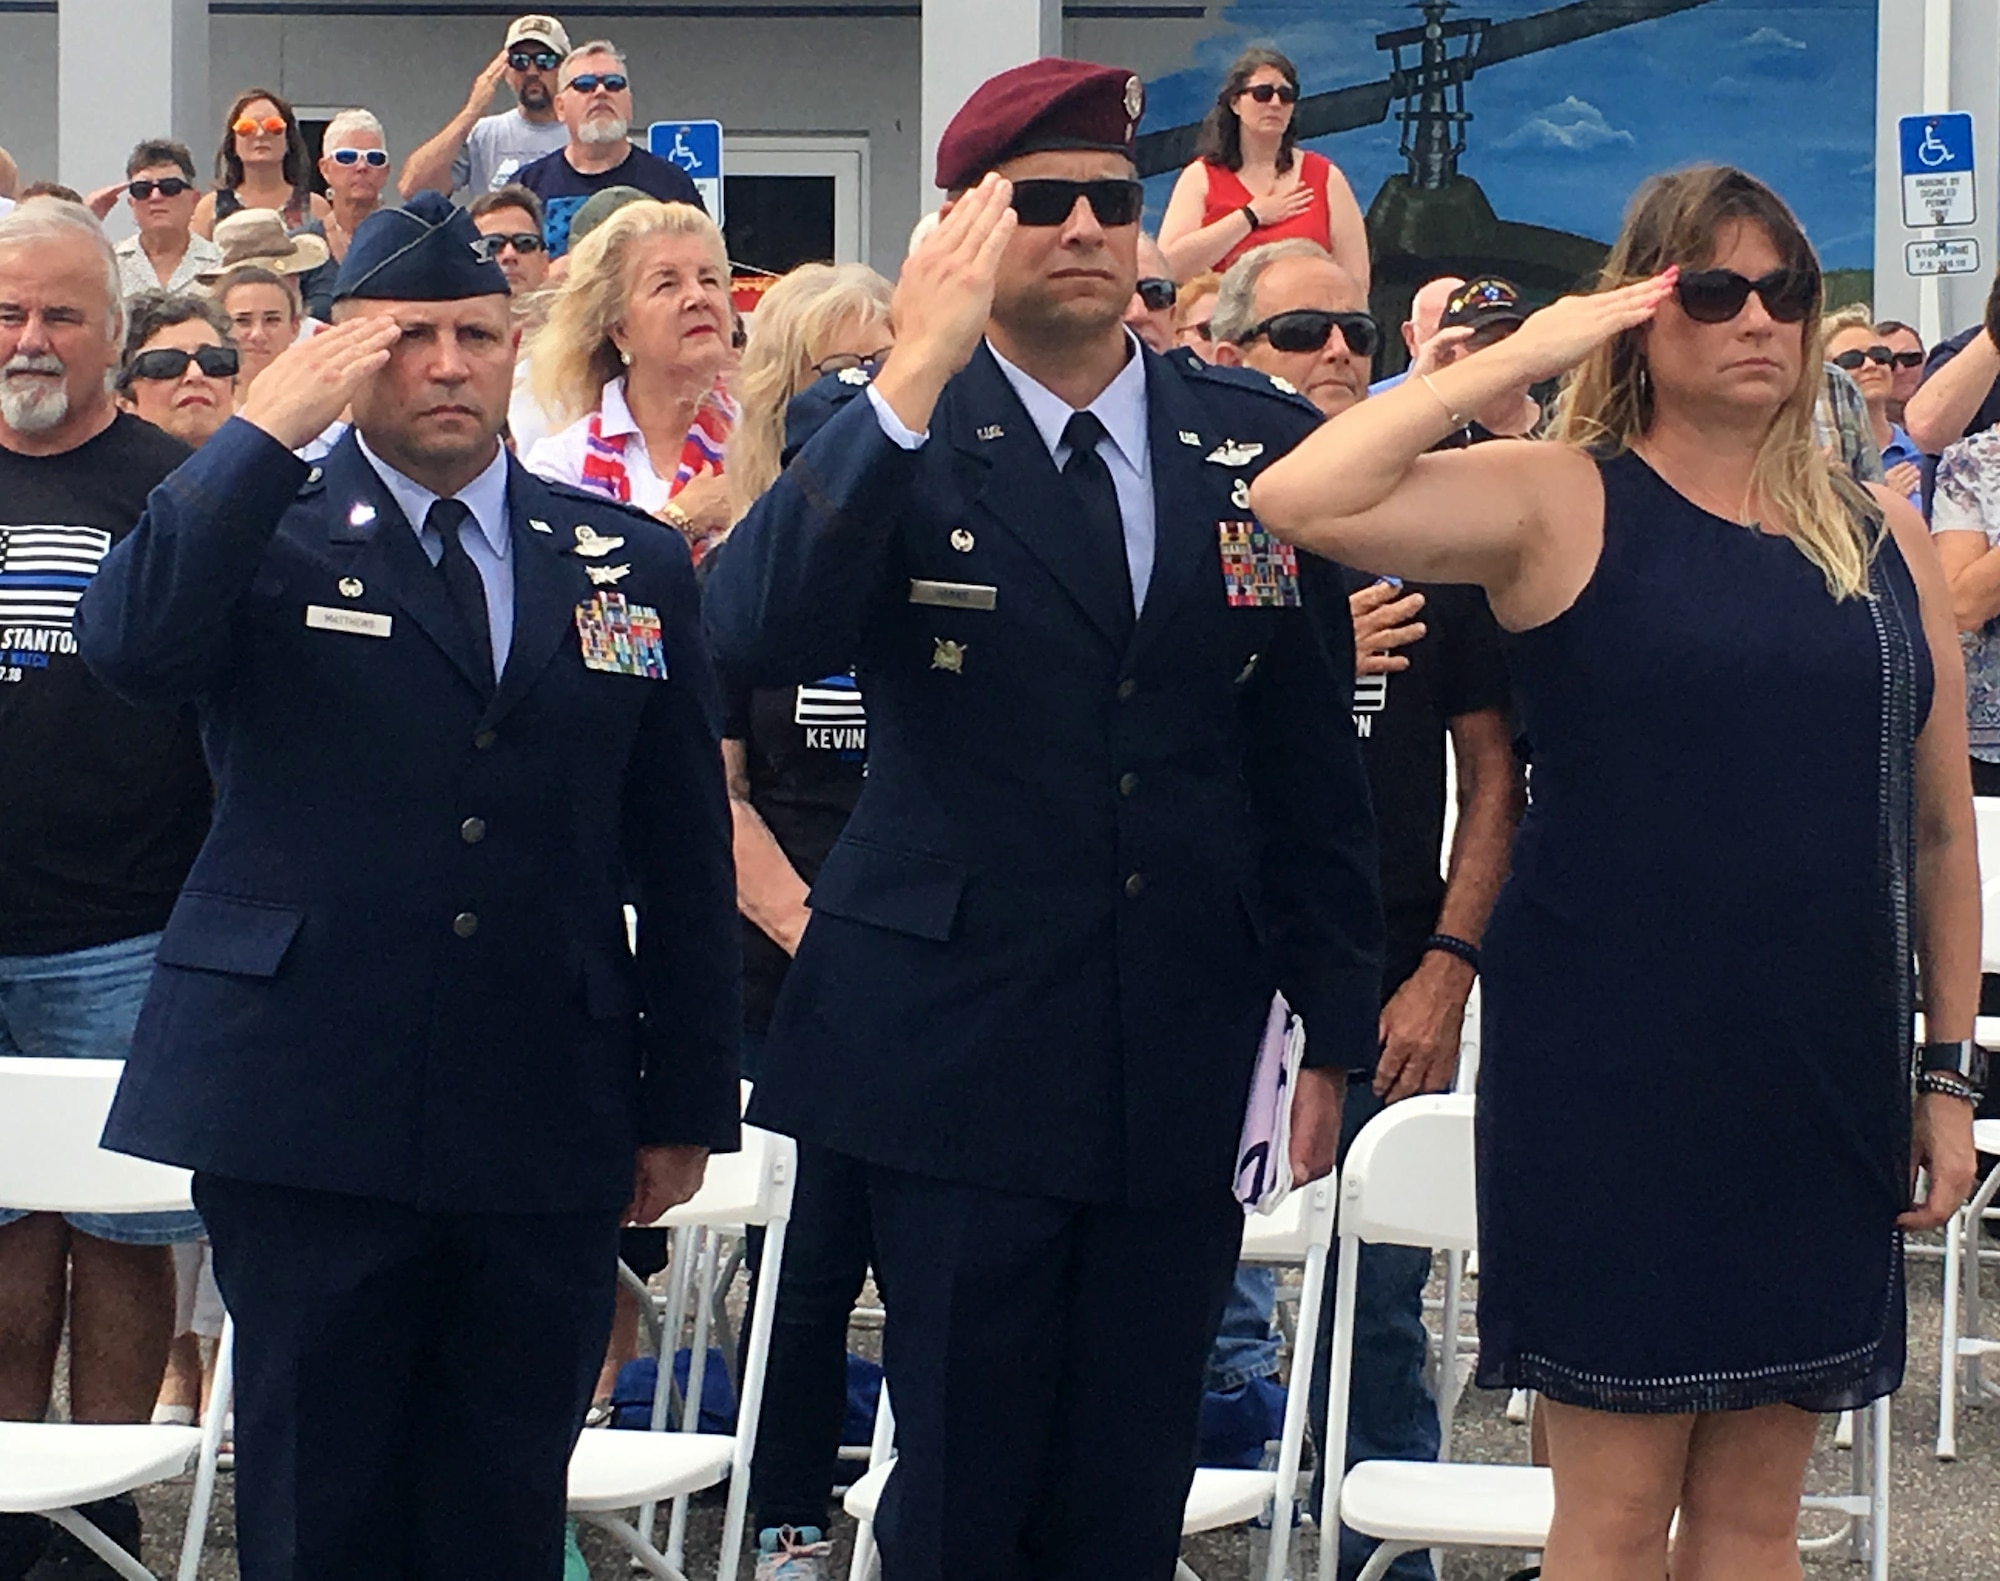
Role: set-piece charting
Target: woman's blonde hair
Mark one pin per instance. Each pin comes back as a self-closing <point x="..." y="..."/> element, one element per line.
<point x="1607" y="402"/>
<point x="572" y="355"/>
<point x="792" y="321"/>
<point x="1853" y="316"/>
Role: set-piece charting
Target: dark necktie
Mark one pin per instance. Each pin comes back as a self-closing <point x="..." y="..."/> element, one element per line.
<point x="449" y="519"/>
<point x="1102" y="548"/>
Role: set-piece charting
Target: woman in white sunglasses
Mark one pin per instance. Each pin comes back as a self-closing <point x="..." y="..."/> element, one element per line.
<point x="354" y="159"/>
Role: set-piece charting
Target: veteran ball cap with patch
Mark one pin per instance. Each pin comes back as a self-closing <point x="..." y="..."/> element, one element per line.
<point x="426" y="251"/>
<point x="1032" y="109"/>
<point x="1482" y="301"/>
<point x="537" y="29"/>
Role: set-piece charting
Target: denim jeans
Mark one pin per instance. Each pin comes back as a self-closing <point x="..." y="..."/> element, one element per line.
<point x="1391" y="1415"/>
<point x="1246" y="1347"/>
<point x="83" y="1004"/>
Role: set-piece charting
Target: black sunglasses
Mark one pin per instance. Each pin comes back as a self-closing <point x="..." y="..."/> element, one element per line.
<point x="1113" y="201"/>
<point x="590" y="81"/>
<point x="1907" y="359"/>
<point x="170" y="362"/>
<point x="1852" y="360"/>
<point x="166" y="186"/>
<point x="1715" y="296"/>
<point x="492" y="245"/>
<point x="1157" y="294"/>
<point x="534" y="60"/>
<point x="1309" y="329"/>
<point x="1265" y="92"/>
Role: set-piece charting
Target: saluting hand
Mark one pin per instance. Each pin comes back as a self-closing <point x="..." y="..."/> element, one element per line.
<point x="309" y="384"/>
<point x="486" y="84"/>
<point x="944" y="298"/>
<point x="663" y="1178"/>
<point x="1562" y="334"/>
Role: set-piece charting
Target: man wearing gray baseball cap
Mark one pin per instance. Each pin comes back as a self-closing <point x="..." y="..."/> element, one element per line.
<point x="477" y="152"/>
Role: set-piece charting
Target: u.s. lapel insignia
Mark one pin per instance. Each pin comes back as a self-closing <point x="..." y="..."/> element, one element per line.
<point x="362" y="514"/>
<point x="607" y="575"/>
<point x="992" y="431"/>
<point x="350" y="587"/>
<point x="1189" y="437"/>
<point x="852" y="375"/>
<point x="1230" y="454"/>
<point x="540" y="526"/>
<point x="592" y="545"/>
<point x="948" y="656"/>
<point x="1239" y="494"/>
<point x="962" y="540"/>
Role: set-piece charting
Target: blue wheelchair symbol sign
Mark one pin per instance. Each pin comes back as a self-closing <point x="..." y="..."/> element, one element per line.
<point x="1937" y="169"/>
<point x="696" y="147"/>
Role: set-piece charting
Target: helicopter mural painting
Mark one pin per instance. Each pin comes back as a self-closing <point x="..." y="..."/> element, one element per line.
<point x="1506" y="135"/>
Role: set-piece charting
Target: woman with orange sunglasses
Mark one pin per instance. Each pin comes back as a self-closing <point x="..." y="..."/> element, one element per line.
<point x="262" y="164"/>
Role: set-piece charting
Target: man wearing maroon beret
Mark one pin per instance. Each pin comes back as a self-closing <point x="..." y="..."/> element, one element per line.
<point x="1113" y="803"/>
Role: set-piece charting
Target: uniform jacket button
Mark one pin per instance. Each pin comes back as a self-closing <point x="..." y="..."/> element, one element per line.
<point x="1127" y="784"/>
<point x="1135" y="886"/>
<point x="1126" y="689"/>
<point x="465" y="924"/>
<point x="472" y="831"/>
<point x="485" y="740"/>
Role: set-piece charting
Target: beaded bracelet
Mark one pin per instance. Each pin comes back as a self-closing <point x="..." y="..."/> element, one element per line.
<point x="1948" y="1086"/>
<point x="1449" y="945"/>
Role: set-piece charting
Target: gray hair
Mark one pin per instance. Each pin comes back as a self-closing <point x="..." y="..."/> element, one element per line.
<point x="152" y="311"/>
<point x="1236" y="299"/>
<point x="351" y="121"/>
<point x="52" y="219"/>
<point x="597" y="46"/>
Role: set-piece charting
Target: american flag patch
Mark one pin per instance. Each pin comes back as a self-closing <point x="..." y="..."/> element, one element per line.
<point x="1258" y="572"/>
<point x="44" y="570"/>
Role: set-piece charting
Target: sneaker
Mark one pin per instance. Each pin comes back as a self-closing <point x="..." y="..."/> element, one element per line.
<point x="66" y="1559"/>
<point x="792" y="1553"/>
<point x="574" y="1568"/>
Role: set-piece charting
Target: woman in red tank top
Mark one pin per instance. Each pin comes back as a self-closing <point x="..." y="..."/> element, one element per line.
<point x="1249" y="185"/>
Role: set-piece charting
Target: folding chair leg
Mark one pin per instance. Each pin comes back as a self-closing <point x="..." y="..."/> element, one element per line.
<point x="643" y="1554"/>
<point x="1947" y="1433"/>
<point x="87" y="1534"/>
<point x="1183" y="1573"/>
<point x="1878" y="1500"/>
<point x="1380" y="1560"/>
<point x="1843" y="1431"/>
<point x="221" y="1393"/>
<point x="864" y="1567"/>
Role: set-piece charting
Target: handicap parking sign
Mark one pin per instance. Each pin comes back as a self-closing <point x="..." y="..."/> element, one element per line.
<point x="696" y="146"/>
<point x="1937" y="169"/>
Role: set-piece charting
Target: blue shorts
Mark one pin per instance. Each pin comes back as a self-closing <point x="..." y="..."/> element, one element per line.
<point x="83" y="1004"/>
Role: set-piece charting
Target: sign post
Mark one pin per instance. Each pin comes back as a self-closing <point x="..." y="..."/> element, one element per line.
<point x="696" y="146"/>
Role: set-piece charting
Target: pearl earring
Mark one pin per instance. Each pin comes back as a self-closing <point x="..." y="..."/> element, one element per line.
<point x="625" y="357"/>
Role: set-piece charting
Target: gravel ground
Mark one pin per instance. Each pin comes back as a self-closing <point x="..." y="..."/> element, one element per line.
<point x="1945" y="1523"/>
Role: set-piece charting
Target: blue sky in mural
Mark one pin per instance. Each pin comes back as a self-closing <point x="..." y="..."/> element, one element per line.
<point x="1562" y="138"/>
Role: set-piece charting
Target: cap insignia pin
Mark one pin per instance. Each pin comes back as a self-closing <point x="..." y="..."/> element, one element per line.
<point x="350" y="587"/>
<point x="949" y="656"/>
<point x="1135" y="98"/>
<point x="852" y="375"/>
<point x="962" y="540"/>
<point x="1283" y="386"/>
<point x="607" y="575"/>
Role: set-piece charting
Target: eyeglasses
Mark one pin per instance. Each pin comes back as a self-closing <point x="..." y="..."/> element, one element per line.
<point x="591" y="81"/>
<point x="1157" y="294"/>
<point x="1200" y="331"/>
<point x="491" y="245"/>
<point x="271" y="124"/>
<point x="166" y="186"/>
<point x="1309" y="329"/>
<point x="373" y="158"/>
<point x="1852" y="360"/>
<point x="1715" y="296"/>
<point x="170" y="362"/>
<point x="1265" y="92"/>
<point x="841" y="361"/>
<point x="534" y="59"/>
<point x="1114" y="202"/>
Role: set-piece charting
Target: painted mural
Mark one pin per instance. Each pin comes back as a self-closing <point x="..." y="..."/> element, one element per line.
<point x="1508" y="134"/>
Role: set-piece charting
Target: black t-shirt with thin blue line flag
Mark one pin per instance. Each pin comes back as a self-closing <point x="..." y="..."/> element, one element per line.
<point x="102" y="805"/>
<point x="564" y="189"/>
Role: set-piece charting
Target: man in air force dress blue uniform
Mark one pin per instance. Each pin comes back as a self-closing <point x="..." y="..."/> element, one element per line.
<point x="457" y="717"/>
<point x="1113" y="802"/>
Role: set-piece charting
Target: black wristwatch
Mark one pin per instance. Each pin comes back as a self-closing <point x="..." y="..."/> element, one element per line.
<point x="1961" y="1067"/>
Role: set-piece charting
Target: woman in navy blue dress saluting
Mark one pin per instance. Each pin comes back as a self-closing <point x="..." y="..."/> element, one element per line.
<point x="1697" y="1137"/>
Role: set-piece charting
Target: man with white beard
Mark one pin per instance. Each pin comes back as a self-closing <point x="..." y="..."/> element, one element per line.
<point x="595" y="103"/>
<point x="102" y="808"/>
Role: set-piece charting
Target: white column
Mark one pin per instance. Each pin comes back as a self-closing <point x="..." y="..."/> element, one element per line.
<point x="967" y="41"/>
<point x="1935" y="55"/>
<point x="127" y="70"/>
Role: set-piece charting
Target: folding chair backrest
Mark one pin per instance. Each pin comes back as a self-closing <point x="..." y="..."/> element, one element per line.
<point x="1986" y="820"/>
<point x="1408" y="1179"/>
<point x="753" y="1186"/>
<point x="51" y="1115"/>
<point x="1303" y="1220"/>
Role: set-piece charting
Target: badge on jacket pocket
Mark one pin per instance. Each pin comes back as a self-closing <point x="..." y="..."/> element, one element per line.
<point x="1258" y="572"/>
<point x="621" y="638"/>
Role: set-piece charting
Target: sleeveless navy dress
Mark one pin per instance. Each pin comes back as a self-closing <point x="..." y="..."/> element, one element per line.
<point x="1694" y="1111"/>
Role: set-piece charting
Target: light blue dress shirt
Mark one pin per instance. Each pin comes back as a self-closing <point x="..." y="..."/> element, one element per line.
<point x="1128" y="456"/>
<point x="490" y="549"/>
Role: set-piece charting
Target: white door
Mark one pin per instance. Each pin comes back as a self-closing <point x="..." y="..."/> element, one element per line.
<point x="793" y="198"/>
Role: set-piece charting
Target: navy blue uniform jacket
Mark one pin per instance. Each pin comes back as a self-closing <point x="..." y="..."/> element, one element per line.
<point x="399" y="967"/>
<point x="1041" y="955"/>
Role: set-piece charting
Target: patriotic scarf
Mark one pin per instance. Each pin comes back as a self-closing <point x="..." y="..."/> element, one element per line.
<point x="604" y="468"/>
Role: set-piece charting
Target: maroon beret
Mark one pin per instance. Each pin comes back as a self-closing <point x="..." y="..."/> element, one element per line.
<point x="1046" y="104"/>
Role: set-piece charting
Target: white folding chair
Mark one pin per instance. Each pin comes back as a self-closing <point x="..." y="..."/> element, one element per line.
<point x="51" y="1115"/>
<point x="1964" y="1342"/>
<point x="614" y="1472"/>
<point x="1300" y="1231"/>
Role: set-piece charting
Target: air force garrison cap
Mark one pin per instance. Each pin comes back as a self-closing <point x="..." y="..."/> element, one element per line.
<point x="426" y="251"/>
<point x="1032" y="109"/>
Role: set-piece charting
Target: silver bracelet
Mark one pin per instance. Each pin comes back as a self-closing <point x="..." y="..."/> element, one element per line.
<point x="1456" y="420"/>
